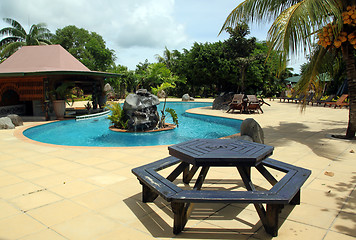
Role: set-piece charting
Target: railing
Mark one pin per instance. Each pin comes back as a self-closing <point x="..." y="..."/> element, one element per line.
<point x="91" y="116"/>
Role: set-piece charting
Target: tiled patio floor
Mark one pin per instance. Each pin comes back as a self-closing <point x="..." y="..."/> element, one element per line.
<point x="53" y="192"/>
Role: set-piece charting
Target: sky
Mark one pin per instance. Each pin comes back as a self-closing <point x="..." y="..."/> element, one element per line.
<point x="135" y="29"/>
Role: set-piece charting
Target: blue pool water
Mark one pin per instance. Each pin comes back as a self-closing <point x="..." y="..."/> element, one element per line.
<point x="96" y="133"/>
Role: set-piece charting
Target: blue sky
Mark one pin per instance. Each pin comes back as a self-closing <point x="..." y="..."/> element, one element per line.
<point x="135" y="29"/>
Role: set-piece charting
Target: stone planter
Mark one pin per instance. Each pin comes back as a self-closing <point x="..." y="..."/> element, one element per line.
<point x="168" y="126"/>
<point x="59" y="107"/>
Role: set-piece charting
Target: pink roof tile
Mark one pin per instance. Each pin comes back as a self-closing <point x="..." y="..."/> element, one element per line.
<point x="42" y="58"/>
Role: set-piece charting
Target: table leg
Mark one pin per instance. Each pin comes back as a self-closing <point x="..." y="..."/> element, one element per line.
<point x="180" y="217"/>
<point x="271" y="224"/>
<point x="188" y="177"/>
<point x="182" y="211"/>
<point x="268" y="218"/>
<point x="296" y="199"/>
<point x="182" y="167"/>
<point x="266" y="174"/>
<point x="147" y="194"/>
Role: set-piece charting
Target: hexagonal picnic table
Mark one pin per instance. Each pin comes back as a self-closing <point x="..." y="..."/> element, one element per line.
<point x="206" y="153"/>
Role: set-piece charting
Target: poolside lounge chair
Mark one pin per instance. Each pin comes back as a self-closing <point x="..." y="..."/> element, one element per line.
<point x="292" y="98"/>
<point x="299" y="98"/>
<point x="340" y="102"/>
<point x="306" y="99"/>
<point x="253" y="104"/>
<point x="318" y="101"/>
<point x="236" y="103"/>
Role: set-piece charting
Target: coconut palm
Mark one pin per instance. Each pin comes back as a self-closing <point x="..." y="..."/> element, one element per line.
<point x="16" y="37"/>
<point x="168" y="57"/>
<point x="296" y="24"/>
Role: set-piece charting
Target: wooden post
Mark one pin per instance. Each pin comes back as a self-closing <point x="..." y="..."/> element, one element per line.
<point x="147" y="194"/>
<point x="180" y="217"/>
<point x="271" y="225"/>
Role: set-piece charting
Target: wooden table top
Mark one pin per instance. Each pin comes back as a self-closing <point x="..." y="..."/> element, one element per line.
<point x="221" y="152"/>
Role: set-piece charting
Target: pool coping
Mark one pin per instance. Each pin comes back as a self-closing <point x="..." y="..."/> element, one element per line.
<point x="18" y="133"/>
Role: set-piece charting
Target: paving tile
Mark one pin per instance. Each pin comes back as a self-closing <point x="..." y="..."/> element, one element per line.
<point x="46" y="234"/>
<point x="128" y="188"/>
<point x="323" y="199"/>
<point x="125" y="233"/>
<point x="18" y="226"/>
<point x="158" y="223"/>
<point x="7" y="209"/>
<point x="290" y="230"/>
<point x="339" y="188"/>
<point x="235" y="218"/>
<point x="130" y="210"/>
<point x="57" y="212"/>
<point x="350" y="204"/>
<point x="106" y="179"/>
<point x="86" y="226"/>
<point x="203" y="230"/>
<point x="311" y="215"/>
<point x="110" y="166"/>
<point x="41" y="172"/>
<point x="98" y="199"/>
<point x="84" y="172"/>
<point x="35" y="200"/>
<point x="53" y="180"/>
<point x="19" y="168"/>
<point x="345" y="223"/>
<point x="73" y="188"/>
<point x="51" y="161"/>
<point x="91" y="161"/>
<point x="81" y="174"/>
<point x="7" y="180"/>
<point x="338" y="236"/>
<point x="19" y="189"/>
<point x="65" y="167"/>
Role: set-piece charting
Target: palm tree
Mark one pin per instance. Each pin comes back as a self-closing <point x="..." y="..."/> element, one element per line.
<point x="16" y="37"/>
<point x="296" y="23"/>
<point x="168" y="57"/>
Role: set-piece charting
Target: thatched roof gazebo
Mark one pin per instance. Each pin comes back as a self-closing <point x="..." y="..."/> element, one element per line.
<point x="30" y="74"/>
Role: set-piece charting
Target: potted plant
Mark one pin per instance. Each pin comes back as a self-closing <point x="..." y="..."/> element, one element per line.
<point x="62" y="95"/>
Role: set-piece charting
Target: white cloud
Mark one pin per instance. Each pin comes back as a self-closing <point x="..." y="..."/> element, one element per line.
<point x="124" y="23"/>
<point x="135" y="29"/>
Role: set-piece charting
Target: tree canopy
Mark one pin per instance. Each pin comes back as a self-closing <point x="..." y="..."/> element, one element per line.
<point x="16" y="37"/>
<point x="296" y="24"/>
<point x="88" y="47"/>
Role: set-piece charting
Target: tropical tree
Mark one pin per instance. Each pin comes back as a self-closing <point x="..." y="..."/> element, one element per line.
<point x="168" y="57"/>
<point x="16" y="37"/>
<point x="155" y="74"/>
<point x="296" y="24"/>
<point x="88" y="47"/>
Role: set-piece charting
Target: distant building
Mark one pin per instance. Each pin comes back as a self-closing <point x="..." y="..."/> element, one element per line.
<point x="29" y="75"/>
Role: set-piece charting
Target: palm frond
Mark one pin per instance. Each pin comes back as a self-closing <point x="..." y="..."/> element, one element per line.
<point x="10" y="48"/>
<point x="44" y="42"/>
<point x="310" y="77"/>
<point x="8" y="40"/>
<point x="15" y="24"/>
<point x="12" y="31"/>
<point x="256" y="11"/>
<point x="293" y="29"/>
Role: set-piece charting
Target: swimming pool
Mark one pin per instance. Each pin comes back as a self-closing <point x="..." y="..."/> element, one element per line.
<point x="96" y="133"/>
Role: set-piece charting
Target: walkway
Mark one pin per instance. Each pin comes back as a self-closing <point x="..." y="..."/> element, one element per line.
<point x="53" y="192"/>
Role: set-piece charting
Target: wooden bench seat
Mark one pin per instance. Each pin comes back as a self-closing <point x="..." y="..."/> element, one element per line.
<point x="285" y="191"/>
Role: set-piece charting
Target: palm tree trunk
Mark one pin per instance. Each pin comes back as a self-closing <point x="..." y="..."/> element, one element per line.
<point x="349" y="58"/>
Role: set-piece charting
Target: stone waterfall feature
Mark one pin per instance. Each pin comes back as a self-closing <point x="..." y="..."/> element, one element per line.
<point x="141" y="111"/>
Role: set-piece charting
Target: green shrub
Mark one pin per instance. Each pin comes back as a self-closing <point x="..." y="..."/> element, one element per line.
<point x="118" y="116"/>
